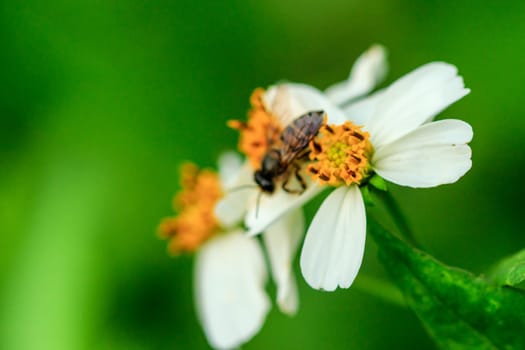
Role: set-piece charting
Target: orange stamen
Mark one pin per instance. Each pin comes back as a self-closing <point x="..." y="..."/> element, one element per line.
<point x="261" y="131"/>
<point x="196" y="221"/>
<point x="340" y="154"/>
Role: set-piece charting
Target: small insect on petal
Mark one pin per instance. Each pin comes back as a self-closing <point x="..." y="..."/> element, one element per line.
<point x="280" y="163"/>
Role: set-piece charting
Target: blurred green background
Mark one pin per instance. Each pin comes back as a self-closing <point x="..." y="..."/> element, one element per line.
<point x="101" y="100"/>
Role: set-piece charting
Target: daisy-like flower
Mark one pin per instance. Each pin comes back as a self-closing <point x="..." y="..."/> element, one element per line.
<point x="390" y="133"/>
<point x="230" y="272"/>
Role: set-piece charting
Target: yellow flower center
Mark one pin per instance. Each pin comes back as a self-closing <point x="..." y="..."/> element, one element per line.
<point x="196" y="221"/>
<point x="340" y="154"/>
<point x="259" y="133"/>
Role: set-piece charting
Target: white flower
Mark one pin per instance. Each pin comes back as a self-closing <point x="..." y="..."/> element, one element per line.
<point x="230" y="271"/>
<point x="390" y="133"/>
<point x="272" y="110"/>
<point x="282" y="103"/>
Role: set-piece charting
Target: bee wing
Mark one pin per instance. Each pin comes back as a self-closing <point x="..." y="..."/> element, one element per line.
<point x="280" y="102"/>
<point x="297" y="136"/>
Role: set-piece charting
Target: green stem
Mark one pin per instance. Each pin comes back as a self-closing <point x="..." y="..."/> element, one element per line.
<point x="380" y="289"/>
<point x="399" y="219"/>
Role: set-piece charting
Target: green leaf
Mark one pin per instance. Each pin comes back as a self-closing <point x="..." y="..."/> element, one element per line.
<point x="458" y="309"/>
<point x="509" y="271"/>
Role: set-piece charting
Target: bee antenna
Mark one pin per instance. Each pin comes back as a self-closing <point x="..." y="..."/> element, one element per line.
<point x="257" y="204"/>
<point x="242" y="187"/>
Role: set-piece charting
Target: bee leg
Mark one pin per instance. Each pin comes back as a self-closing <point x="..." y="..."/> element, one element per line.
<point x="285" y="183"/>
<point x="299" y="178"/>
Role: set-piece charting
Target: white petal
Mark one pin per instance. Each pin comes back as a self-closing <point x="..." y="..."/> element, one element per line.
<point x="427" y="167"/>
<point x="289" y="101"/>
<point x="230" y="276"/>
<point x="368" y="71"/>
<point x="441" y="132"/>
<point x="335" y="242"/>
<point x="361" y="111"/>
<point x="271" y="207"/>
<point x="413" y="100"/>
<point x="282" y="239"/>
<point x="229" y="165"/>
<point x="231" y="208"/>
<point x="432" y="155"/>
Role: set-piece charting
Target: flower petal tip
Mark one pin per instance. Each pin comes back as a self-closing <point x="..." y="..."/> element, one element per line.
<point x="334" y="244"/>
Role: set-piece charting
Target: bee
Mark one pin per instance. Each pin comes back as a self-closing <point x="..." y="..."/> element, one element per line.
<point x="294" y="145"/>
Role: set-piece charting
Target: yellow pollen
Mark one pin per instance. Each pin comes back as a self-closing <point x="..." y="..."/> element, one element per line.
<point x="260" y="132"/>
<point x="340" y="154"/>
<point x="196" y="221"/>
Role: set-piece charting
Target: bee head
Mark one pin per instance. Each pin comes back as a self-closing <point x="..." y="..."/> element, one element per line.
<point x="264" y="181"/>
